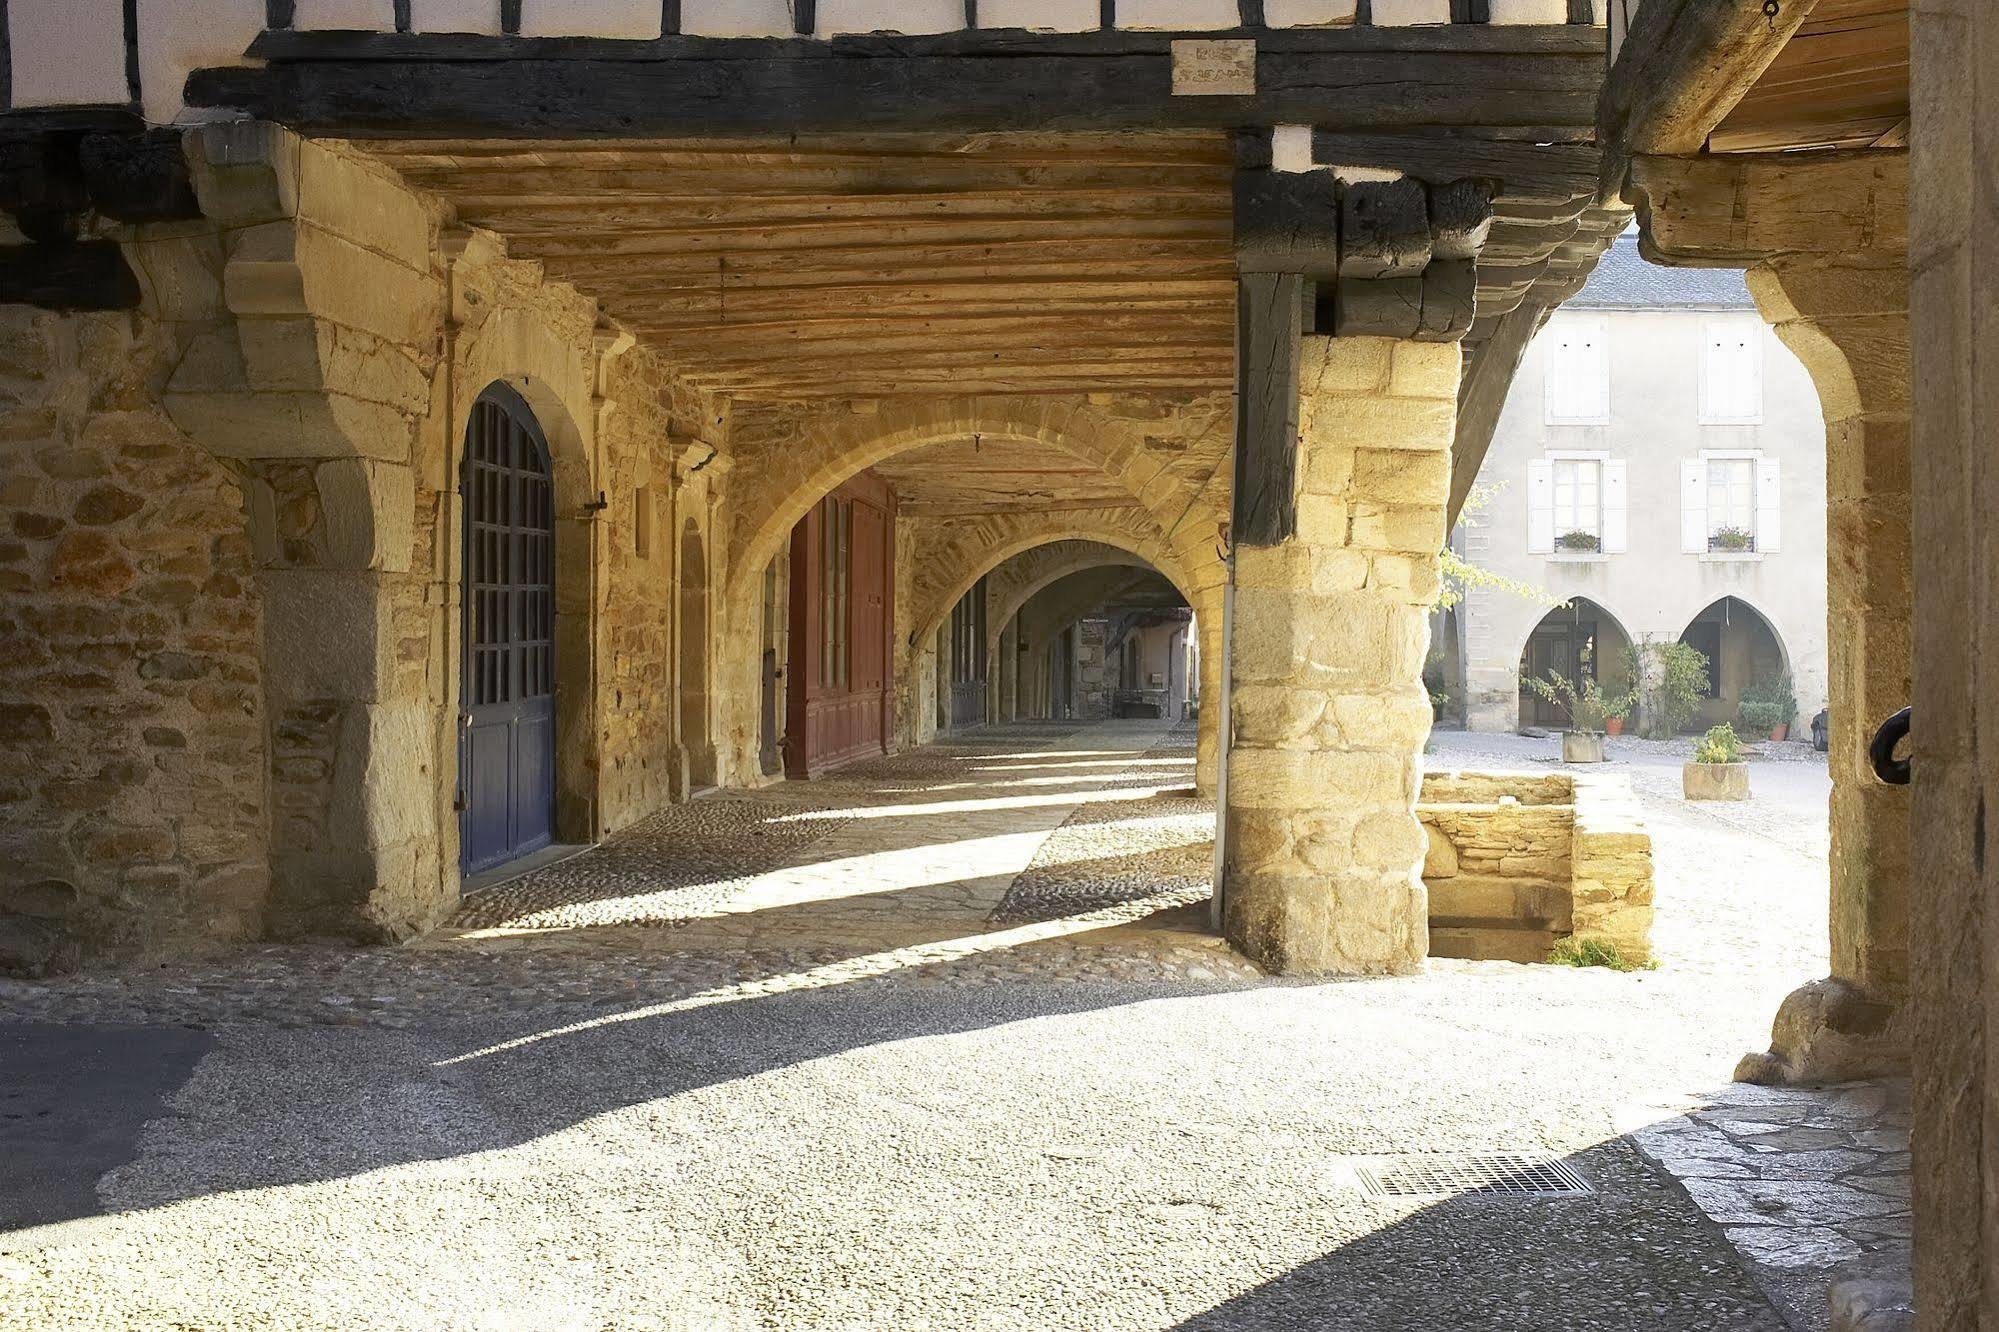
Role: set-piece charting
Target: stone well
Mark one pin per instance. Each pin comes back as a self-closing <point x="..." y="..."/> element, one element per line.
<point x="1519" y="861"/>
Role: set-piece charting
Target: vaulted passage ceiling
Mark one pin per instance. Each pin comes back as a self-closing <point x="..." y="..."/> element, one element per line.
<point x="880" y="265"/>
<point x="973" y="476"/>
<point x="1841" y="81"/>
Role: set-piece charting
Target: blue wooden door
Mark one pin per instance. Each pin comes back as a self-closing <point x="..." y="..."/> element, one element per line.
<point x="506" y="724"/>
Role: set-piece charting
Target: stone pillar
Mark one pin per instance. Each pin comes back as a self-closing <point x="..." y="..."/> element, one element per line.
<point x="1954" y="929"/>
<point x="1324" y="851"/>
<point x="316" y="385"/>
<point x="1847" y="320"/>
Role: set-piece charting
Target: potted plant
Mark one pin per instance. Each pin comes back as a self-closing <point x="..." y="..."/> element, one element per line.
<point x="1578" y="541"/>
<point x="1674" y="681"/>
<point x="1587" y="707"/>
<point x="1732" y="539"/>
<point x="1718" y="770"/>
<point x="1769" y="705"/>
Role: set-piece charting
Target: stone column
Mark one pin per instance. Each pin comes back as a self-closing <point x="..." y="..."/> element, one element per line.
<point x="316" y="385"/>
<point x="1847" y="320"/>
<point x="1954" y="928"/>
<point x="1324" y="851"/>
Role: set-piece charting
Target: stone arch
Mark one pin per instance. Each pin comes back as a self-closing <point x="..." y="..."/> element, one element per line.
<point x="1032" y="570"/>
<point x="828" y="450"/>
<point x="1610" y="670"/>
<point x="576" y="804"/>
<point x="800" y="459"/>
<point x="950" y="560"/>
<point x="1732" y="674"/>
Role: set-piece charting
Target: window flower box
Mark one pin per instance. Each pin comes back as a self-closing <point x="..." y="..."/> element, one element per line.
<point x="1579" y="542"/>
<point x="1732" y="541"/>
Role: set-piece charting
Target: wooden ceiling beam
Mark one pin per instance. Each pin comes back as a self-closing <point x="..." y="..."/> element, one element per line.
<point x="1683" y="67"/>
<point x="379" y="85"/>
<point x="1738" y="209"/>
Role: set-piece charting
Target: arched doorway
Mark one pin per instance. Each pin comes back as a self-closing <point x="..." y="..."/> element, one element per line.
<point x="1578" y="641"/>
<point x="1742" y="648"/>
<point x="694" y="636"/>
<point x="506" y="731"/>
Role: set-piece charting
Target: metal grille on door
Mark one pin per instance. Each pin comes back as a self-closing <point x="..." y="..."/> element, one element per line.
<point x="507" y="734"/>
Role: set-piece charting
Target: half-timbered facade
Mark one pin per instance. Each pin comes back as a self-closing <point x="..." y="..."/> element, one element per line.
<point x="824" y="320"/>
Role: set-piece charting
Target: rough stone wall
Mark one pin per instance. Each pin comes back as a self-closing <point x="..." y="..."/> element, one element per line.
<point x="1329" y="709"/>
<point x="1611" y="864"/>
<point x="1093" y="671"/>
<point x="643" y="411"/>
<point x="1517" y="861"/>
<point x="234" y="536"/>
<point x="133" y="805"/>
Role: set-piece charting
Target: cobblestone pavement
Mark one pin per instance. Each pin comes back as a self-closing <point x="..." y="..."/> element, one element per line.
<point x="620" y="1104"/>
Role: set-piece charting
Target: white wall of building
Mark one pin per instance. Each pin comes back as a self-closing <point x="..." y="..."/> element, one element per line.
<point x="1651" y="438"/>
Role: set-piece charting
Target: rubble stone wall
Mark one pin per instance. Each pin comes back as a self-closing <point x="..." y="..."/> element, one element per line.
<point x="133" y="796"/>
<point x="1519" y="861"/>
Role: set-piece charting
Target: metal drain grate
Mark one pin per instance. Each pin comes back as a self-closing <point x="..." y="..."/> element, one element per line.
<point x="1492" y="1174"/>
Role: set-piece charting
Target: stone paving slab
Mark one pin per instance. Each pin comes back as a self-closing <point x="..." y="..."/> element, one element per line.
<point x="1803" y="1181"/>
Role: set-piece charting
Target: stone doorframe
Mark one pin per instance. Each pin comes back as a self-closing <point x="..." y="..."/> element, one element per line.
<point x="339" y="381"/>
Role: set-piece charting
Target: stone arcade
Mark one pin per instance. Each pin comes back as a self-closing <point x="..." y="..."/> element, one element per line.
<point x="612" y="400"/>
<point x="441" y="444"/>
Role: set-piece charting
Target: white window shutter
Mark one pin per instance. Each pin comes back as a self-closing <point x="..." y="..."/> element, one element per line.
<point x="1540" y="507"/>
<point x="1769" y="506"/>
<point x="1596" y="369"/>
<point x="1614" y="535"/>
<point x="1693" y="506"/>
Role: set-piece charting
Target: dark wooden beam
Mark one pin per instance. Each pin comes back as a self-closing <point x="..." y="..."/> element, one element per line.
<point x="1683" y="67"/>
<point x="510" y="15"/>
<point x="1270" y="311"/>
<point x="1517" y="170"/>
<point x="1460" y="219"/>
<point x="1489" y="374"/>
<point x="6" y="59"/>
<point x="1467" y="39"/>
<point x="131" y="18"/>
<point x="1384" y="229"/>
<point x="804" y="16"/>
<point x="74" y="275"/>
<point x="1385" y="79"/>
<point x="1250" y="13"/>
<point x="138" y="177"/>
<point x="402" y="13"/>
<point x="1288" y="222"/>
<point x="279" y="14"/>
<point x="1732" y="210"/>
<point x="669" y="18"/>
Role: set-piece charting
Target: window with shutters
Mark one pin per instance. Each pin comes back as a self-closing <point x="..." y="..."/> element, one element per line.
<point x="1732" y="372"/>
<point x="1578" y="504"/>
<point x="1578" y="371"/>
<point x="1731" y="505"/>
<point x="1575" y="505"/>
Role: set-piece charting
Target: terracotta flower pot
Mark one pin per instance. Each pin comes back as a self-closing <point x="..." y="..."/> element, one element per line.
<point x="1779" y="732"/>
<point x="1613" y="726"/>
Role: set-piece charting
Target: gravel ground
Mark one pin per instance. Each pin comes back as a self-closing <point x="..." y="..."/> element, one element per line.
<point x="1078" y="1123"/>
